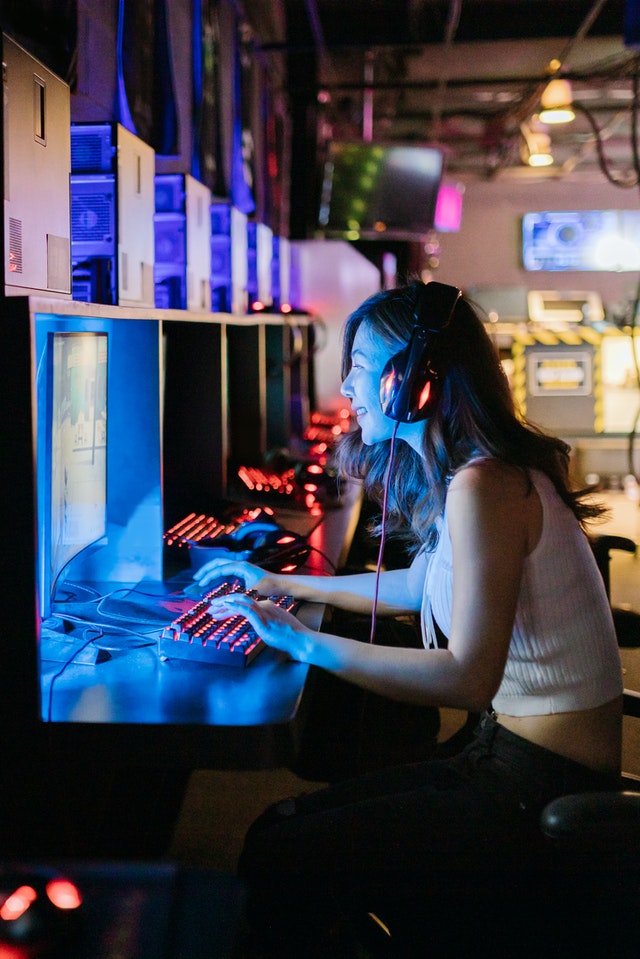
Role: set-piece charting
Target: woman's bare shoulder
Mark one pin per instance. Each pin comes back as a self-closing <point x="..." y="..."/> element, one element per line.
<point x="491" y="477"/>
<point x="494" y="496"/>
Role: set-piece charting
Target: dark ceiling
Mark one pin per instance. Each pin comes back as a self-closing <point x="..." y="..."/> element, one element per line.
<point x="464" y="74"/>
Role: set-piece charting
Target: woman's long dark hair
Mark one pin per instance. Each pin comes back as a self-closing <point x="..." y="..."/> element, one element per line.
<point x="475" y="416"/>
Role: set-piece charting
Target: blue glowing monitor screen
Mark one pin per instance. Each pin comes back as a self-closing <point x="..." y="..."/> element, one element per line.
<point x="78" y="447"/>
<point x="606" y="240"/>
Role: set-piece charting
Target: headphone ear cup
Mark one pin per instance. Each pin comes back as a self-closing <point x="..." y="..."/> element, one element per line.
<point x="410" y="381"/>
<point x="409" y="385"/>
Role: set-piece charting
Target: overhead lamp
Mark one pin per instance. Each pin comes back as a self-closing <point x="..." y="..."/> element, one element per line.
<point x="538" y="147"/>
<point x="557" y="102"/>
<point x="539" y="150"/>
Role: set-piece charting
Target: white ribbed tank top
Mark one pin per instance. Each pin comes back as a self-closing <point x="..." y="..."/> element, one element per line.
<point x="563" y="654"/>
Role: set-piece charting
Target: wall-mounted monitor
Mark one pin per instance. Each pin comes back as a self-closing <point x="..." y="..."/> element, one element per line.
<point x="380" y="191"/>
<point x="592" y="240"/>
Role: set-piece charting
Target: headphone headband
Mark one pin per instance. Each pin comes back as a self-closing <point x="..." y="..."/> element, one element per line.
<point x="435" y="303"/>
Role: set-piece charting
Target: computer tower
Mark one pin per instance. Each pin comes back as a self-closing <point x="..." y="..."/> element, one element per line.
<point x="281" y="272"/>
<point x="35" y="152"/>
<point x="221" y="258"/>
<point x="182" y="270"/>
<point x="259" y="256"/>
<point x="112" y="210"/>
<point x="229" y="267"/>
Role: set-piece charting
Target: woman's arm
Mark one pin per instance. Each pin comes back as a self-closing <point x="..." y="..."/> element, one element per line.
<point x="400" y="590"/>
<point x="491" y="516"/>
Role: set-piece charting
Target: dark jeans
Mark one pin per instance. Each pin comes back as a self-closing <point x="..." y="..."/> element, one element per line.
<point x="413" y="830"/>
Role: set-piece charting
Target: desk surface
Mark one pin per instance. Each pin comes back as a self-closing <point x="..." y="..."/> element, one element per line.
<point x="245" y="717"/>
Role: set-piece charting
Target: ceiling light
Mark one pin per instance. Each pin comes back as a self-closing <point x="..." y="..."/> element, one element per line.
<point x="557" y="102"/>
<point x="540" y="159"/>
<point x="538" y="147"/>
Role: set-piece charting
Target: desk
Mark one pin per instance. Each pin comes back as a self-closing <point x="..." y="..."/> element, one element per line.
<point x="101" y="782"/>
<point x="189" y="715"/>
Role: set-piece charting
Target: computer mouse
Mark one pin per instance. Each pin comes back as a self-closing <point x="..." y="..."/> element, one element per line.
<point x="280" y="551"/>
<point x="196" y="590"/>
<point x="204" y="551"/>
<point x="40" y="911"/>
<point x="252" y="532"/>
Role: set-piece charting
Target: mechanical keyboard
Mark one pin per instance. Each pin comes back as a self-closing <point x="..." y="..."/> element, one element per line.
<point x="196" y="527"/>
<point x="197" y="636"/>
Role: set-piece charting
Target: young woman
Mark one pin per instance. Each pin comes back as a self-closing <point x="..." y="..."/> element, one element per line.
<point x="515" y="619"/>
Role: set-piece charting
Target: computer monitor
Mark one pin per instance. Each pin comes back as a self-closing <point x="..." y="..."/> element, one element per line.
<point x="585" y="240"/>
<point x="98" y="454"/>
<point x="75" y="503"/>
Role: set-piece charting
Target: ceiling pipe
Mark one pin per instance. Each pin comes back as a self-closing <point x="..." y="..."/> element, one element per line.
<point x="453" y="20"/>
<point x="367" y="98"/>
<point x="315" y="25"/>
<point x="531" y="102"/>
<point x="514" y="119"/>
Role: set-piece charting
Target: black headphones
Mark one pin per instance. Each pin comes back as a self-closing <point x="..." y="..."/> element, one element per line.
<point x="409" y="385"/>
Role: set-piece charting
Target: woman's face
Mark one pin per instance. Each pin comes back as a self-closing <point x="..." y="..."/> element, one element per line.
<point x="362" y="388"/>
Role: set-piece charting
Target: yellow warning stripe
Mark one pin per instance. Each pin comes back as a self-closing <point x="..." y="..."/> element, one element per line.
<point x="546" y="337"/>
<point x="591" y="336"/>
<point x="570" y="338"/>
<point x="598" y="399"/>
<point x="519" y="377"/>
<point x="554" y="337"/>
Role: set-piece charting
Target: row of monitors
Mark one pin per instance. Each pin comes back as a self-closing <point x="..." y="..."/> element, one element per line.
<point x="85" y="214"/>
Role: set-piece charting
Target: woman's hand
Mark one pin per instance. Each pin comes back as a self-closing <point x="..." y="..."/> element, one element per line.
<point x="252" y="576"/>
<point x="275" y="626"/>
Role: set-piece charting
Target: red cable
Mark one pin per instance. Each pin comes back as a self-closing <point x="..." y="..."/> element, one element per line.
<point x="387" y="477"/>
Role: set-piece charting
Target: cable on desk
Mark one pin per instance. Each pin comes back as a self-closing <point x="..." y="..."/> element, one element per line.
<point x="332" y="566"/>
<point x="64" y="666"/>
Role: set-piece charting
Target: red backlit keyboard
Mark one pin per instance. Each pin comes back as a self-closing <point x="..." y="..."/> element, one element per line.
<point x="197" y="636"/>
<point x="196" y="527"/>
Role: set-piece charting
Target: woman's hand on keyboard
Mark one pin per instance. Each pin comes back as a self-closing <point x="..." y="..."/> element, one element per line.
<point x="275" y="626"/>
<point x="252" y="576"/>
